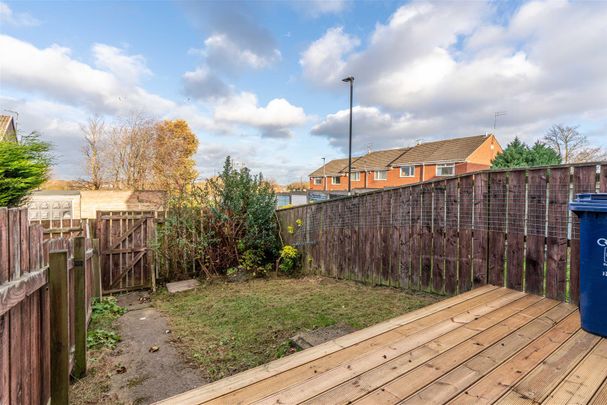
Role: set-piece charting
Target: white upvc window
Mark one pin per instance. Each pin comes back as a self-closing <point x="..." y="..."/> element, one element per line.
<point x="380" y="175"/>
<point x="356" y="176"/>
<point x="407" y="171"/>
<point x="335" y="180"/>
<point x="317" y="181"/>
<point x="447" y="169"/>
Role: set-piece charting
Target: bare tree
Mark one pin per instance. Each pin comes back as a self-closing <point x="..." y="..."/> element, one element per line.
<point x="572" y="146"/>
<point x="94" y="139"/>
<point x="131" y="152"/>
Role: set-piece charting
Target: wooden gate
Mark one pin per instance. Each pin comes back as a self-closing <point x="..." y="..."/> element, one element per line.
<point x="125" y="238"/>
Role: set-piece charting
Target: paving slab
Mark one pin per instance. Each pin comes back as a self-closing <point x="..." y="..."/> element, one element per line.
<point x="179" y="286"/>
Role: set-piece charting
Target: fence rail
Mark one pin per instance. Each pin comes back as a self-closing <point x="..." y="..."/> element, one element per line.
<point x="509" y="227"/>
<point x="45" y="307"/>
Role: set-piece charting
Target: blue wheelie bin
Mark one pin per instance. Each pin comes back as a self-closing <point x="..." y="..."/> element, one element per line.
<point x="592" y="212"/>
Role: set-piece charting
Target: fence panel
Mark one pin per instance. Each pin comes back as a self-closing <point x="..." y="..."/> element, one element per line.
<point x="556" y="239"/>
<point x="507" y="227"/>
<point x="466" y="210"/>
<point x="479" y="241"/>
<point x="25" y="310"/>
<point x="498" y="195"/>
<point x="451" y="237"/>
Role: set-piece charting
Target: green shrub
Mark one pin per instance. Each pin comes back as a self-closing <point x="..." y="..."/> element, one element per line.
<point x="227" y="222"/>
<point x="104" y="312"/>
<point x="289" y="260"/>
<point x="24" y="167"/>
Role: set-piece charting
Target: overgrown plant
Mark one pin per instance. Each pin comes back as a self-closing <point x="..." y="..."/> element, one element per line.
<point x="228" y="222"/>
<point x="101" y="332"/>
<point x="24" y="166"/>
<point x="289" y="260"/>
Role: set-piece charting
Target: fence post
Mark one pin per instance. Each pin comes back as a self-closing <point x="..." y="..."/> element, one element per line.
<point x="96" y="268"/>
<point x="80" y="307"/>
<point x="59" y="320"/>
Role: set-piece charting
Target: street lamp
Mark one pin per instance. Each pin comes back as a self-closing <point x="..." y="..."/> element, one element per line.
<point x="351" y="80"/>
<point x="324" y="174"/>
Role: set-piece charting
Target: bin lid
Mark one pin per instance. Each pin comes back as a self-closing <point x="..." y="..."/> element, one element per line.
<point x="594" y="202"/>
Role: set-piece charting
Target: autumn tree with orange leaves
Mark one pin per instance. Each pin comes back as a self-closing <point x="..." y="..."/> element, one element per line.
<point x="174" y="168"/>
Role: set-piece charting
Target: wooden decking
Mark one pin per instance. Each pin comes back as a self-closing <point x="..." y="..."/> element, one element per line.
<point x="489" y="345"/>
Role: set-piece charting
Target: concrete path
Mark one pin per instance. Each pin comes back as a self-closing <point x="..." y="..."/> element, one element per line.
<point x="149" y="367"/>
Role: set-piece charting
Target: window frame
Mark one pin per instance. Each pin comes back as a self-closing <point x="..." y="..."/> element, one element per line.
<point x="412" y="167"/>
<point x="317" y="181"/>
<point x="355" y="176"/>
<point x="444" y="165"/>
<point x="375" y="172"/>
<point x="333" y="180"/>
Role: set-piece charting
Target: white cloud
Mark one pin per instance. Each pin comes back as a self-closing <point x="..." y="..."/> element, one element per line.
<point x="274" y="120"/>
<point x="323" y="62"/>
<point x="203" y="84"/>
<point x="449" y="67"/>
<point x="7" y="16"/>
<point x="54" y="73"/>
<point x="128" y="68"/>
<point x="221" y="50"/>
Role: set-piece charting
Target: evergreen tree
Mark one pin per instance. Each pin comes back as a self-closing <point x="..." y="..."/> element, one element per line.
<point x="518" y="154"/>
<point x="24" y="167"/>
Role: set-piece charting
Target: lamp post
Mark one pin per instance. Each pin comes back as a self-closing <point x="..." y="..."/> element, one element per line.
<point x="350" y="79"/>
<point x="324" y="174"/>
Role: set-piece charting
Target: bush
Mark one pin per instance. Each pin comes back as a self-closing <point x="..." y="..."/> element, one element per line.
<point x="289" y="260"/>
<point x="227" y="222"/>
<point x="24" y="167"/>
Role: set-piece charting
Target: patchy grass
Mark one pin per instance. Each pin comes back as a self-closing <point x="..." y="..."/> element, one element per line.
<point x="230" y="327"/>
<point x="102" y="337"/>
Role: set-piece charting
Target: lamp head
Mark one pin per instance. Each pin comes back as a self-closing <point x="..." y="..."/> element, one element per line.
<point x="348" y="79"/>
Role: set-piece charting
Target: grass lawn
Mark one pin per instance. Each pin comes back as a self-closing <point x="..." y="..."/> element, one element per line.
<point x="230" y="327"/>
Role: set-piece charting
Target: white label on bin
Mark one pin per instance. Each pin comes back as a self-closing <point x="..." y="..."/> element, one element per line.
<point x="603" y="243"/>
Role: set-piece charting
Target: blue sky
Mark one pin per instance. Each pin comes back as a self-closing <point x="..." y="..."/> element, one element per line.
<point x="261" y="80"/>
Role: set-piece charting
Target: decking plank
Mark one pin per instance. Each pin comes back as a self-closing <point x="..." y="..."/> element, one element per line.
<point x="538" y="384"/>
<point x="600" y="398"/>
<point x="457" y="380"/>
<point x="246" y="378"/>
<point x="325" y="381"/>
<point x="492" y="386"/>
<point x="583" y="382"/>
<point x="373" y="379"/>
<point x="415" y="380"/>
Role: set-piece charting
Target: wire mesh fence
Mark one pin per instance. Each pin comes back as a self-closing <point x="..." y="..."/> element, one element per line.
<point x="505" y="227"/>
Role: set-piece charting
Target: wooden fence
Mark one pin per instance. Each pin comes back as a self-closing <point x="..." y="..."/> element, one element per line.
<point x="509" y="227"/>
<point x="46" y="292"/>
<point x="65" y="228"/>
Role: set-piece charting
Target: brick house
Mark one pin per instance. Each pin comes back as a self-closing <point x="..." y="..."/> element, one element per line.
<point x="397" y="167"/>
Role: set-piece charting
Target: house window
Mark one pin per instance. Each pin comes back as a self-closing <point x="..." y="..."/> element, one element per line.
<point x="356" y="176"/>
<point x="407" y="171"/>
<point x="335" y="180"/>
<point x="381" y="175"/>
<point x="445" y="170"/>
<point x="317" y="181"/>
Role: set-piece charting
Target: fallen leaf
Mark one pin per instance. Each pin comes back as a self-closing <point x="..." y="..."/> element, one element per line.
<point x="154" y="349"/>
<point x="121" y="370"/>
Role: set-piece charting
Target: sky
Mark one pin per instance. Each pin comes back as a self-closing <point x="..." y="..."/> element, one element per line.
<point x="261" y="81"/>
